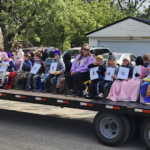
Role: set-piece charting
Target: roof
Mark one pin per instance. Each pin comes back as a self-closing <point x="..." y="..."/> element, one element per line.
<point x="143" y="20"/>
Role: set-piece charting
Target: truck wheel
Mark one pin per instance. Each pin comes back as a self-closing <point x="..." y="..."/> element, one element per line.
<point x="111" y="129"/>
<point x="145" y="133"/>
<point x="133" y="127"/>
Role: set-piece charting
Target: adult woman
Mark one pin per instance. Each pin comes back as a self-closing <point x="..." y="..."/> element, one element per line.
<point x="79" y="71"/>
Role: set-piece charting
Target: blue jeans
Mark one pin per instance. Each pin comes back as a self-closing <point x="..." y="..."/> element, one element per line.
<point x="48" y="83"/>
<point x="103" y="83"/>
<point x="29" y="79"/>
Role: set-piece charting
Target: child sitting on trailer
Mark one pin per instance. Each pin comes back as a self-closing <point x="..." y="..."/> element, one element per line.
<point x="95" y="84"/>
<point x="19" y="60"/>
<point x="111" y="63"/>
<point x="60" y="84"/>
<point x="146" y="59"/>
<point x="120" y="88"/>
<point x="145" y="87"/>
<point x="48" y="62"/>
<point x="10" y="65"/>
<point x="60" y="69"/>
<point x="24" y="72"/>
<point x="35" y="77"/>
<point x="131" y="89"/>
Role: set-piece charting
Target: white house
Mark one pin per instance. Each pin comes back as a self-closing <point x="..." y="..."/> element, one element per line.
<point x="129" y="35"/>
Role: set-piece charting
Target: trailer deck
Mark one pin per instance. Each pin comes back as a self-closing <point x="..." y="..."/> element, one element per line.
<point x="130" y="108"/>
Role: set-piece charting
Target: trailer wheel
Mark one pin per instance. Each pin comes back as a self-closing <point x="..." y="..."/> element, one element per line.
<point x="133" y="127"/>
<point x="145" y="133"/>
<point x="111" y="129"/>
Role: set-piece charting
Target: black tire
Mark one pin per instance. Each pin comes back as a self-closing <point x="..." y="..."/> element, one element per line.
<point x="145" y="133"/>
<point x="128" y="128"/>
<point x="133" y="127"/>
<point x="121" y="123"/>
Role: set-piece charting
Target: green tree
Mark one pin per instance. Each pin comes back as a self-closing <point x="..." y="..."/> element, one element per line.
<point x="16" y="15"/>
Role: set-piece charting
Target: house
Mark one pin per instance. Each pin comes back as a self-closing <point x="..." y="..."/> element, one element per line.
<point x="129" y="35"/>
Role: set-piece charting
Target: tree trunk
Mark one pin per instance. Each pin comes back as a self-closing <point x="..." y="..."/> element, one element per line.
<point x="7" y="39"/>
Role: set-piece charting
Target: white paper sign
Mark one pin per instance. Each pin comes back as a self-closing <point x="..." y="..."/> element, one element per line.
<point x="123" y="73"/>
<point x="4" y="67"/>
<point x="110" y="72"/>
<point x="93" y="73"/>
<point x="53" y="67"/>
<point x="35" y="68"/>
<point x="136" y="69"/>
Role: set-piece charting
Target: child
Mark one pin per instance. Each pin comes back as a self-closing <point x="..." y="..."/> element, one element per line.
<point x="38" y="60"/>
<point x="96" y="83"/>
<point x="145" y="87"/>
<point x="32" y="58"/>
<point x="59" y="70"/>
<point x="45" y="55"/>
<point x="146" y="59"/>
<point x="10" y="65"/>
<point x="67" y="62"/>
<point x="111" y="63"/>
<point x="12" y="57"/>
<point x="19" y="60"/>
<point x="24" y="72"/>
<point x="48" y="62"/>
<point x="119" y="90"/>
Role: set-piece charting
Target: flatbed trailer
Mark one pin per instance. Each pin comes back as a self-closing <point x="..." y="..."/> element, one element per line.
<point x="114" y="124"/>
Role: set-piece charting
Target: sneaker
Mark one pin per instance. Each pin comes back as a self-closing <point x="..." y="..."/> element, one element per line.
<point x="70" y="93"/>
<point x="101" y="95"/>
<point x="28" y="89"/>
<point x="108" y="97"/>
<point x="34" y="90"/>
<point x="55" y="92"/>
<point x="78" y="94"/>
<point x="19" y="88"/>
<point x="45" y="91"/>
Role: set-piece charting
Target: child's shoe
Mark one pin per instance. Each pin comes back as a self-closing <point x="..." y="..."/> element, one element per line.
<point x="101" y="95"/>
<point x="108" y="97"/>
<point x="34" y="90"/>
<point x="28" y="89"/>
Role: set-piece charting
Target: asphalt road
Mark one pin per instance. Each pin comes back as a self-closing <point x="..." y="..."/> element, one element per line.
<point x="36" y="127"/>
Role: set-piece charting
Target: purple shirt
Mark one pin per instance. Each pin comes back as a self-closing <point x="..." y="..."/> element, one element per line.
<point x="82" y="65"/>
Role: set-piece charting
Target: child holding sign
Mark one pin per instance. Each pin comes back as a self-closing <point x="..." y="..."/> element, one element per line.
<point x="118" y="89"/>
<point x="35" y="75"/>
<point x="24" y="72"/>
<point x="56" y="69"/>
<point x="7" y="66"/>
<point x="48" y="63"/>
<point x="130" y="90"/>
<point x="95" y="84"/>
<point x="110" y="74"/>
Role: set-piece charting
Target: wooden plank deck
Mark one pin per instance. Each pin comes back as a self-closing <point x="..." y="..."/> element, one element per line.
<point x="39" y="94"/>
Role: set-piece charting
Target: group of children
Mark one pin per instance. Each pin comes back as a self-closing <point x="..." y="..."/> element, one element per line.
<point x="119" y="89"/>
<point x="22" y="64"/>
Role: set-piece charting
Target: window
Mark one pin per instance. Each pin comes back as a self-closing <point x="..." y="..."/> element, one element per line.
<point x="133" y="58"/>
<point x="101" y="51"/>
<point x="73" y="53"/>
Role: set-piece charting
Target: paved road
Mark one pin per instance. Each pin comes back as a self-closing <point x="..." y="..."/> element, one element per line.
<point x="36" y="127"/>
